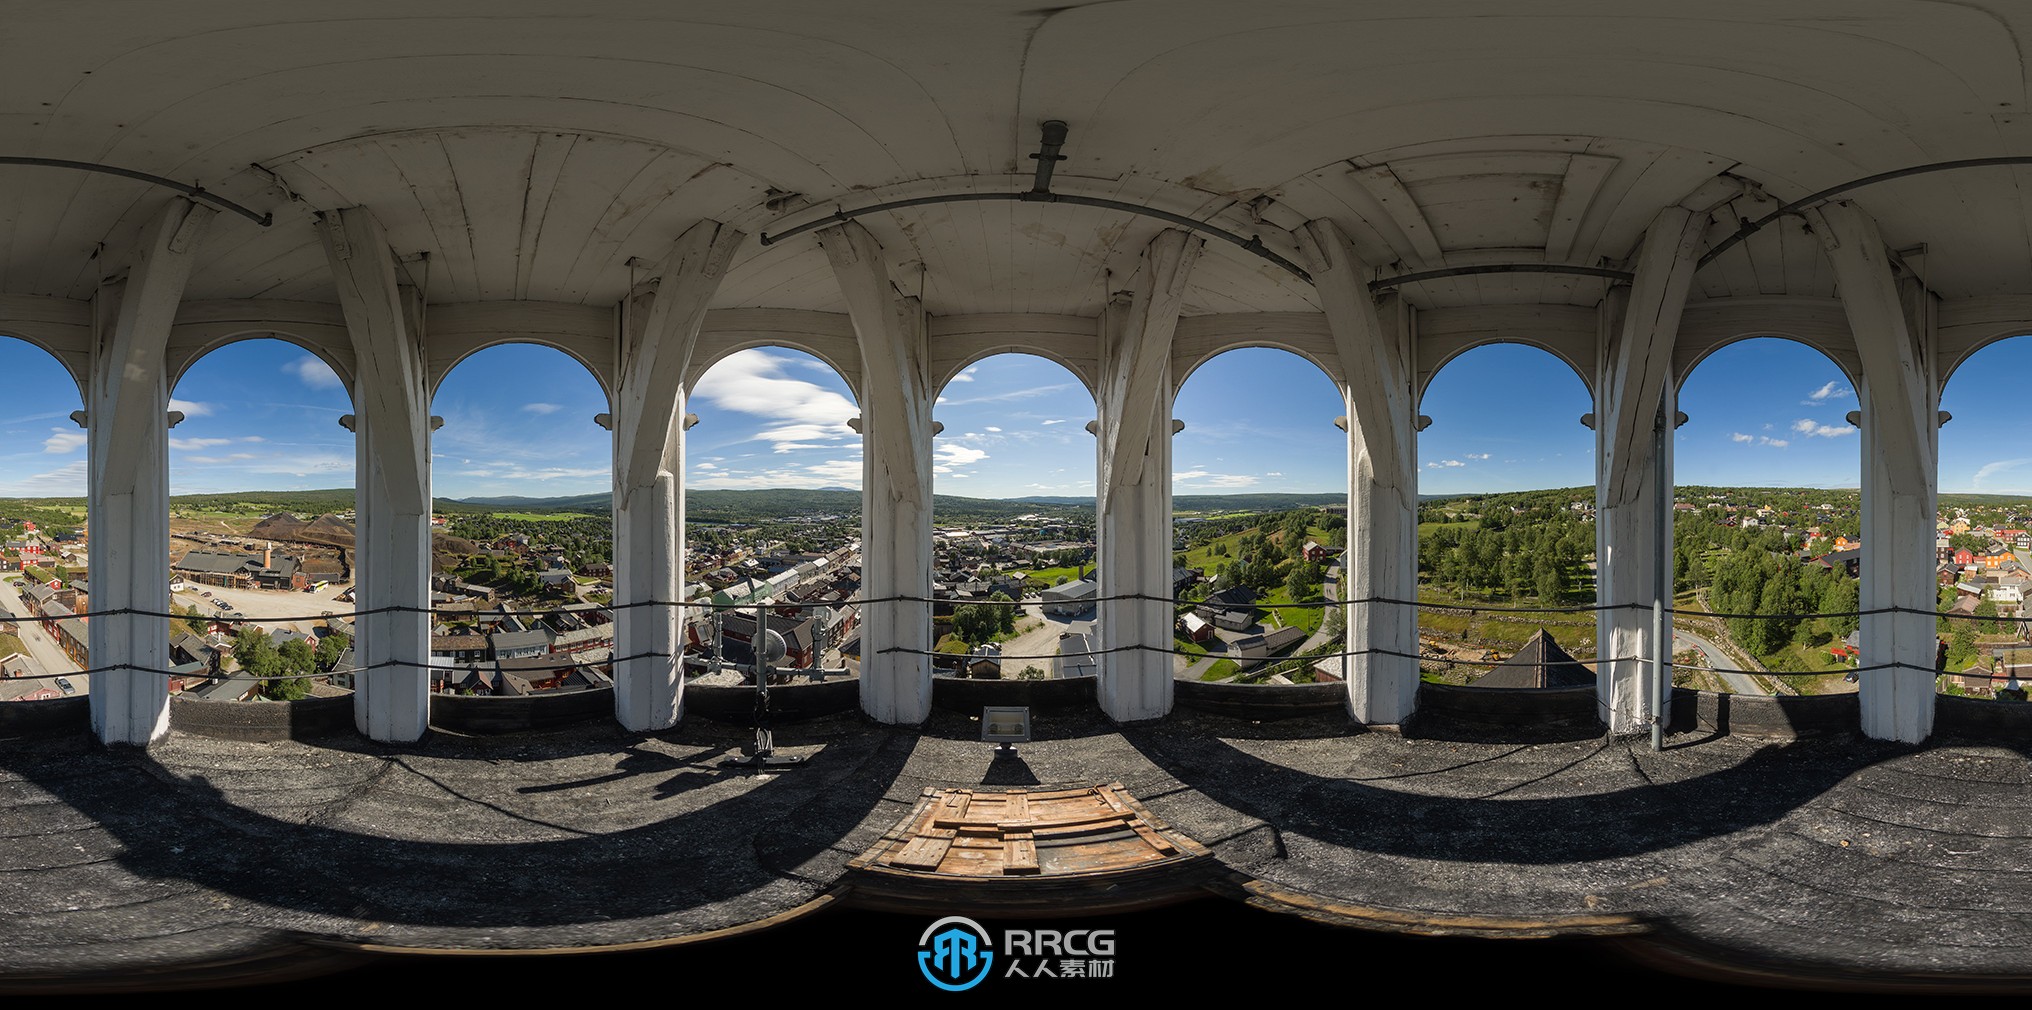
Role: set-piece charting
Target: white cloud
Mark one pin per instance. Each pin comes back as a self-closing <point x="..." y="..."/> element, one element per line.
<point x="194" y="444"/>
<point x="966" y="376"/>
<point x="753" y="382"/>
<point x="1444" y="463"/>
<point x="1737" y="436"/>
<point x="68" y="479"/>
<point x="191" y="408"/>
<point x="1055" y="420"/>
<point x="1274" y="473"/>
<point x="960" y="455"/>
<point x="1478" y="455"/>
<point x="542" y="408"/>
<point x="1207" y="479"/>
<point x="61" y="440"/>
<point x="1988" y="470"/>
<point x="313" y="372"/>
<point x="1775" y="442"/>
<point x="991" y="428"/>
<point x="1831" y="391"/>
<point x="1014" y="394"/>
<point x="1815" y="429"/>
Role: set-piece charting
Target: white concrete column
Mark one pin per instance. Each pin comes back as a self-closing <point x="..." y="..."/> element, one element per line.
<point x="1901" y="431"/>
<point x="896" y="431"/>
<point x="1133" y="492"/>
<point x="391" y="400"/>
<point x="649" y="479"/>
<point x="1634" y="407"/>
<point x="128" y="494"/>
<point x="1376" y="350"/>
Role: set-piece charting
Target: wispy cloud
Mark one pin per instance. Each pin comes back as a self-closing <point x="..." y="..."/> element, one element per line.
<point x="542" y="408"/>
<point x="1206" y="479"/>
<point x="1988" y="470"/>
<point x="191" y="408"/>
<point x="1013" y="394"/>
<point x="1815" y="429"/>
<point x="62" y="440"/>
<point x="313" y="372"/>
<point x="1831" y="391"/>
<point x="68" y="479"/>
<point x="1737" y="436"/>
<point x="1443" y="464"/>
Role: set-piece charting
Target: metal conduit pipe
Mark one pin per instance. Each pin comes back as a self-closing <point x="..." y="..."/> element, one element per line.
<point x="1383" y="283"/>
<point x="194" y="192"/>
<point x="1040" y="192"/>
<point x="1750" y="228"/>
<point x="1252" y="244"/>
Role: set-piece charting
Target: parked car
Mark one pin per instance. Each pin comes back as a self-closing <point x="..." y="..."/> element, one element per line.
<point x="63" y="684"/>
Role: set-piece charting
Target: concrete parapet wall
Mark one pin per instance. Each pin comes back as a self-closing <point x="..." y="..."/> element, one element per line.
<point x="969" y="696"/>
<point x="1785" y="717"/>
<point x="53" y="715"/>
<point x="2008" y="722"/>
<point x="787" y="702"/>
<point x="487" y="714"/>
<point x="258" y="721"/>
<point x="1262" y="702"/>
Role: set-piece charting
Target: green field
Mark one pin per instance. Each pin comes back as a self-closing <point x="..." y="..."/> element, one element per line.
<point x="1221" y="670"/>
<point x="1505" y="631"/>
<point x="1280" y="603"/>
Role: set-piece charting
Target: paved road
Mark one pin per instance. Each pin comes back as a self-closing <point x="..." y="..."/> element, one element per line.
<point x="42" y="648"/>
<point x="1041" y="640"/>
<point x="1712" y="655"/>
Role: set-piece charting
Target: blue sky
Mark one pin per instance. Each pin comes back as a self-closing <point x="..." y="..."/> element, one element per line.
<point x="262" y="415"/>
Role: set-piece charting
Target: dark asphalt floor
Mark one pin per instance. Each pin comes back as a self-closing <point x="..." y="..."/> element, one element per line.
<point x="1830" y="863"/>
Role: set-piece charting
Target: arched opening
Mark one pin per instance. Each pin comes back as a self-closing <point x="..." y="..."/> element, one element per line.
<point x="42" y="528"/>
<point x="522" y="530"/>
<point x="1259" y="499"/>
<point x="773" y="479"/>
<point x="1506" y="477"/>
<point x="261" y="514"/>
<point x="1767" y="522"/>
<point x="1013" y="475"/>
<point x="1983" y="536"/>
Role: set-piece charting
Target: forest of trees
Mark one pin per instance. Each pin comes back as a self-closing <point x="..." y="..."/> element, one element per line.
<point x="1528" y="545"/>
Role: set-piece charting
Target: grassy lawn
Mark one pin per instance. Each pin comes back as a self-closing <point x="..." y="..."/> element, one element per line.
<point x="1221" y="670"/>
<point x="1575" y="632"/>
<point x="1052" y="576"/>
<point x="1280" y="603"/>
<point x="1465" y="524"/>
<point x="10" y="645"/>
<point x="1204" y="557"/>
<point x="1187" y="645"/>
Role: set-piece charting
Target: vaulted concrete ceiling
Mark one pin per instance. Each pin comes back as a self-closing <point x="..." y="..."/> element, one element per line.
<point x="532" y="149"/>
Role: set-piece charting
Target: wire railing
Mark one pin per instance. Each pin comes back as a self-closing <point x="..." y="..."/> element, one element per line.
<point x="469" y="613"/>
